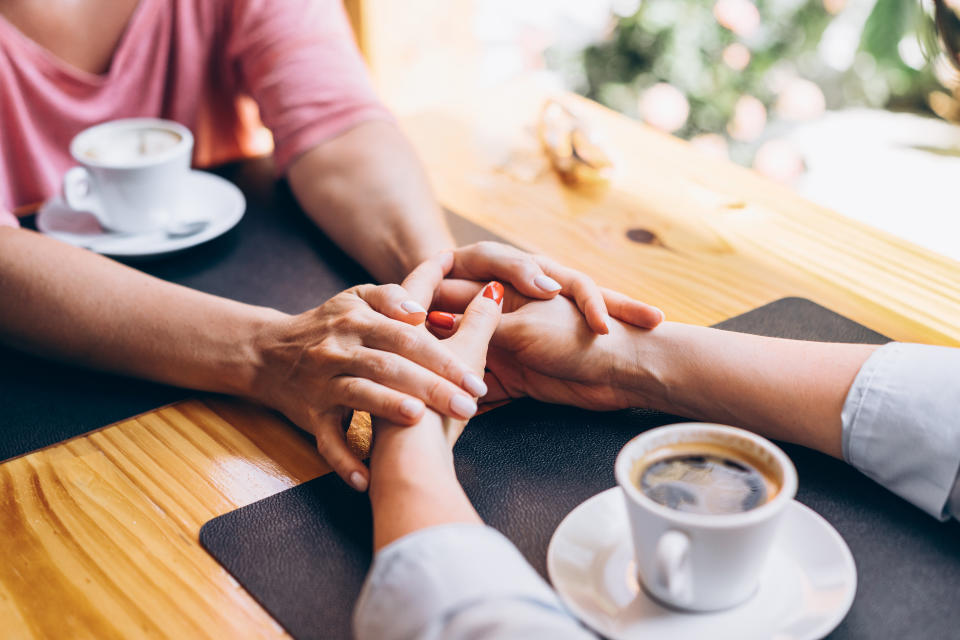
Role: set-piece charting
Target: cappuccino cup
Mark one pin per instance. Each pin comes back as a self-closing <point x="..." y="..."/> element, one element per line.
<point x="704" y="502"/>
<point x="130" y="173"/>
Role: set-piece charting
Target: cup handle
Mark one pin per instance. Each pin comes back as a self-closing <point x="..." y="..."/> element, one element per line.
<point x="673" y="565"/>
<point x="79" y="194"/>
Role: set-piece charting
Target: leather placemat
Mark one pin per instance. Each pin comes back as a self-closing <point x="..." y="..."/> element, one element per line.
<point x="303" y="553"/>
<point x="274" y="257"/>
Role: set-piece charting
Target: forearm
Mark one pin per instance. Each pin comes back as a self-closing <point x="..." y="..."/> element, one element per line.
<point x="367" y="190"/>
<point x="784" y="389"/>
<point x="413" y="484"/>
<point x="73" y="305"/>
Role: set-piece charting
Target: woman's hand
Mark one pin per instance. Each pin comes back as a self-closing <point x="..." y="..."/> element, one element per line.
<point x="545" y="350"/>
<point x="320" y="365"/>
<point x="414" y="484"/>
<point x="533" y="278"/>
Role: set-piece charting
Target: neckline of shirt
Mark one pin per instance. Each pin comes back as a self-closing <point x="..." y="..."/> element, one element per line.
<point x="58" y="65"/>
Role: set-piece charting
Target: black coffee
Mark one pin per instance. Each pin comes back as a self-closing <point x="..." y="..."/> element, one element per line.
<point x="705" y="482"/>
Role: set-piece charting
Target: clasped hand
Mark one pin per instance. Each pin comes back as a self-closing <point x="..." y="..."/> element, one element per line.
<point x="368" y="349"/>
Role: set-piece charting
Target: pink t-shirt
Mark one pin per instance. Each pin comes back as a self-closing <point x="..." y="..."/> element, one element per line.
<point x="192" y="61"/>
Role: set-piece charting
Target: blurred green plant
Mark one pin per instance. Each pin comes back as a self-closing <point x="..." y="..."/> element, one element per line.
<point x="695" y="66"/>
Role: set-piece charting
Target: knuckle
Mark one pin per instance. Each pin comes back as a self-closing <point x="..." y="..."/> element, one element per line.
<point x="328" y="351"/>
<point x="384" y="368"/>
<point x="324" y="441"/>
<point x="352" y="319"/>
<point x="391" y="291"/>
<point x="438" y="390"/>
<point x="351" y="389"/>
<point x="406" y="341"/>
<point x="487" y="246"/>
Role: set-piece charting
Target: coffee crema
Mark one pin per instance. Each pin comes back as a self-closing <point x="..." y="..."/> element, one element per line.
<point x="705" y="478"/>
<point x="131" y="145"/>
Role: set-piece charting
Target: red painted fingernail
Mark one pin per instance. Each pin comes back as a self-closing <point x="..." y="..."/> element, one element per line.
<point x="494" y="291"/>
<point x="441" y="319"/>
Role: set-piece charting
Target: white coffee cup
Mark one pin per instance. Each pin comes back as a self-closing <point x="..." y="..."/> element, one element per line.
<point x="131" y="173"/>
<point x="702" y="561"/>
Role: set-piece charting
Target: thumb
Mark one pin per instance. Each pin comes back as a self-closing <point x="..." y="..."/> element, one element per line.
<point x="478" y="324"/>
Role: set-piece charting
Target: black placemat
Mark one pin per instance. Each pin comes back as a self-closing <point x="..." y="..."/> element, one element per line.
<point x="274" y="257"/>
<point x="303" y="553"/>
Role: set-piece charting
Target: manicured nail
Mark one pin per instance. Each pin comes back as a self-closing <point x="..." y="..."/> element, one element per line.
<point x="494" y="291"/>
<point x="411" y="408"/>
<point x="463" y="406"/>
<point x="412" y="307"/>
<point x="441" y="319"/>
<point x="546" y="283"/>
<point x="358" y="481"/>
<point x="474" y="384"/>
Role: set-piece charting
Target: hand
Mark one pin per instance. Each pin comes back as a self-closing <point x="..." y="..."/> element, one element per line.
<point x="344" y="355"/>
<point x="469" y="342"/>
<point x="545" y="350"/>
<point x="534" y="278"/>
<point x="414" y="483"/>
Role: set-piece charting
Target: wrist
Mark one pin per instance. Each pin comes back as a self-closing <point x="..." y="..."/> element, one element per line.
<point x="261" y="366"/>
<point x="644" y="370"/>
<point x="413" y="455"/>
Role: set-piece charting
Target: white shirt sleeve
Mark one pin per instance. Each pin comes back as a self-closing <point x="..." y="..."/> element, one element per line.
<point x="458" y="581"/>
<point x="901" y="424"/>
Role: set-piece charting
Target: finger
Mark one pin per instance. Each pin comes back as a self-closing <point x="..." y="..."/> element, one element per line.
<point x="443" y="324"/>
<point x="424" y="280"/>
<point x="383" y="369"/>
<point x="420" y="347"/>
<point x="379" y="400"/>
<point x="454" y="295"/>
<point x="493" y="260"/>
<point x="478" y="324"/>
<point x="625" y="308"/>
<point x="393" y="301"/>
<point x="582" y="290"/>
<point x="332" y="445"/>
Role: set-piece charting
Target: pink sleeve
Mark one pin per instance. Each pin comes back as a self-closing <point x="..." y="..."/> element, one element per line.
<point x="299" y="61"/>
<point x="7" y="219"/>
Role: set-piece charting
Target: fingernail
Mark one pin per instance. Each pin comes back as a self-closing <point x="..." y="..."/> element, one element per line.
<point x="463" y="406"/>
<point x="474" y="384"/>
<point x="412" y="307"/>
<point x="546" y="283"/>
<point x="663" y="316"/>
<point x="441" y="319"/>
<point x="411" y="408"/>
<point x="358" y="481"/>
<point x="494" y="291"/>
<point x="606" y="323"/>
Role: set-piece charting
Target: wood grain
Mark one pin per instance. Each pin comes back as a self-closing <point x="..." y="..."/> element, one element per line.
<point x="724" y="239"/>
<point x="100" y="533"/>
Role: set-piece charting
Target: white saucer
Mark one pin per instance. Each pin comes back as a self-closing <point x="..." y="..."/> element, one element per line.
<point x="805" y="591"/>
<point x="211" y="198"/>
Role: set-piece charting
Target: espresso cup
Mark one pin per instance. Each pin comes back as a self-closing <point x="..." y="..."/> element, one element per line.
<point x="703" y="557"/>
<point x="130" y="173"/>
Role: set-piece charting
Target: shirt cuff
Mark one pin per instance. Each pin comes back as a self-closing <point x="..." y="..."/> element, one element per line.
<point x="901" y="423"/>
<point x="423" y="580"/>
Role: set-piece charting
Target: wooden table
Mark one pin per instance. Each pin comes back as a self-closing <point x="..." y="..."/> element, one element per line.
<point x="100" y="532"/>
